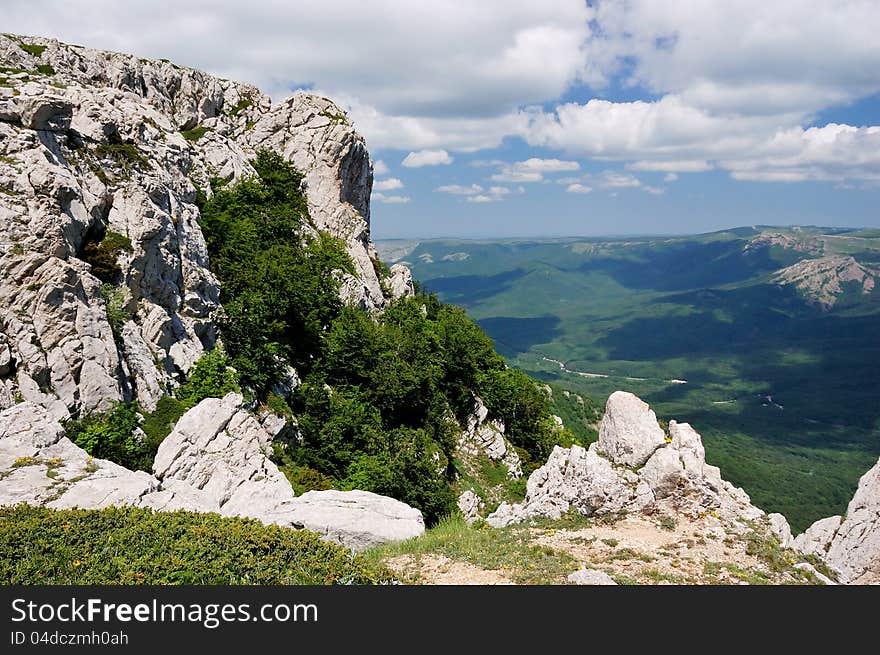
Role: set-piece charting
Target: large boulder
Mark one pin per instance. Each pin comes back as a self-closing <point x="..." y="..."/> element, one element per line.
<point x="356" y="519"/>
<point x="219" y="448"/>
<point x="629" y="433"/>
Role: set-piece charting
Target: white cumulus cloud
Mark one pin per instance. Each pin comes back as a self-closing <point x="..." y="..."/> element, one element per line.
<point x="460" y="190"/>
<point x="427" y="158"/>
<point x="389" y="184"/>
<point x="390" y="200"/>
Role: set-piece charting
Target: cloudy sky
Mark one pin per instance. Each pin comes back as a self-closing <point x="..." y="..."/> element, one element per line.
<point x="558" y="117"/>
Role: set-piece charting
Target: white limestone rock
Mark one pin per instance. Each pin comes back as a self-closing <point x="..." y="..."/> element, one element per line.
<point x="855" y="547"/>
<point x="400" y="283"/>
<point x="68" y="182"/>
<point x="779" y="526"/>
<point x="590" y="577"/>
<point x="821" y="577"/>
<point x="470" y="505"/>
<point x="573" y="477"/>
<point x="483" y="437"/>
<point x="816" y="540"/>
<point x="629" y="433"/>
<point x="356" y="519"/>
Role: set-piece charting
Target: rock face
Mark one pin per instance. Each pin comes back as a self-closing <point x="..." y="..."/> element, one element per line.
<point x="629" y="432"/>
<point x="850" y="546"/>
<point x="674" y="477"/>
<point x="483" y="437"/>
<point x="821" y="281"/>
<point x="213" y="461"/>
<point x="103" y="143"/>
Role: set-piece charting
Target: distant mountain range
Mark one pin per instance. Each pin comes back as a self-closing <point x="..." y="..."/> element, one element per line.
<point x="766" y="337"/>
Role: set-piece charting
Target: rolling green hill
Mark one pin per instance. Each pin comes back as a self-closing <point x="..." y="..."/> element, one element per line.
<point x="764" y="338"/>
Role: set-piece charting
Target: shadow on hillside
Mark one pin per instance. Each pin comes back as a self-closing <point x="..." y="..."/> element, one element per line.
<point x="684" y="265"/>
<point x="513" y="336"/>
<point x="468" y="290"/>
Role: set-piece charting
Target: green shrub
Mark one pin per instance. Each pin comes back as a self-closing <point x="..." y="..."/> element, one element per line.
<point x="45" y="69"/>
<point x="158" y="424"/>
<point x="278" y="286"/>
<point x="136" y="546"/>
<point x="115" y="302"/>
<point x="124" y="153"/>
<point x="195" y="133"/>
<point x="103" y="254"/>
<point x="111" y="435"/>
<point x="210" y="377"/>
<point x="239" y="107"/>
<point x="303" y="479"/>
<point x="513" y="396"/>
<point x="33" y="49"/>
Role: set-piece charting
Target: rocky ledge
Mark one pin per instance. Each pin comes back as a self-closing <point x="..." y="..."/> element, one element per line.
<point x="636" y="468"/>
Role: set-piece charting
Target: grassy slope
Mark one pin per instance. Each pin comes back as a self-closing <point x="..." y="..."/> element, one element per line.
<point x="699" y="309"/>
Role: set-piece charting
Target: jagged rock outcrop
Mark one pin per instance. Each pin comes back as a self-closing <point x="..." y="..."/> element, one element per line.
<point x="470" y="505"/>
<point x="674" y="477"/>
<point x="215" y="460"/>
<point x="850" y="546"/>
<point x="94" y="143"/>
<point x="780" y="527"/>
<point x="816" y="539"/>
<point x="484" y="437"/>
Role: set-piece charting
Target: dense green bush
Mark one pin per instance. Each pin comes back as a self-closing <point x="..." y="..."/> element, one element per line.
<point x="386" y="397"/>
<point x="136" y="546"/>
<point x="210" y="377"/>
<point x="111" y="435"/>
<point x="103" y="253"/>
<point x="278" y="286"/>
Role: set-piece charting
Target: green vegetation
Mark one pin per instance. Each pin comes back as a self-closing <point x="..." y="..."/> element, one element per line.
<point x="45" y="69"/>
<point x="124" y="154"/>
<point x="383" y="397"/>
<point x="32" y="48"/>
<point x="647" y="313"/>
<point x="114" y="434"/>
<point x="211" y="377"/>
<point x="136" y="546"/>
<point x="278" y="286"/>
<point x="337" y="117"/>
<point x="507" y="550"/>
<point x="239" y="107"/>
<point x="195" y="133"/>
<point x="115" y="302"/>
<point x="111" y="435"/>
<point x="103" y="253"/>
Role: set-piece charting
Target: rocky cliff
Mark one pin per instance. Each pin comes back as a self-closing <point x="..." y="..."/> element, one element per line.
<point x="96" y="143"/>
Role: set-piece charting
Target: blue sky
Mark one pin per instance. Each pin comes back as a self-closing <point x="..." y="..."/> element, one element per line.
<point x="560" y="117"/>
